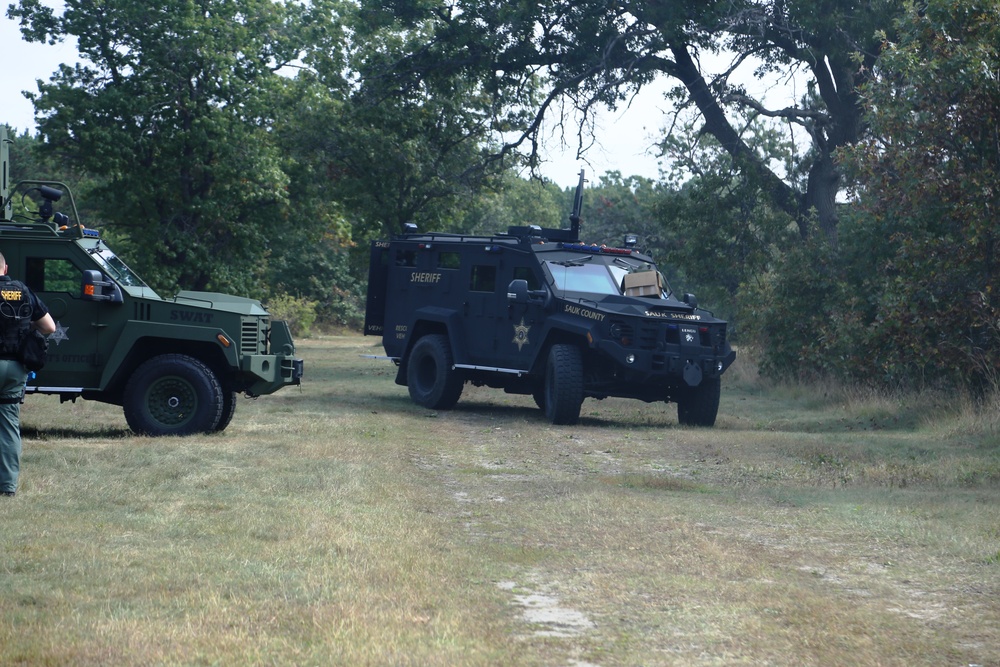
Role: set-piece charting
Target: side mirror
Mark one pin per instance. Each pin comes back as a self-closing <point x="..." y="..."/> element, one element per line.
<point x="517" y="291"/>
<point x="95" y="287"/>
<point x="691" y="300"/>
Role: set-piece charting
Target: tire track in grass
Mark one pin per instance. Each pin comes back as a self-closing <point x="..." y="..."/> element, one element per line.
<point x="538" y="606"/>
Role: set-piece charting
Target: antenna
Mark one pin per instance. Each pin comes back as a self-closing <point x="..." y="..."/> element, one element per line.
<point x="574" y="217"/>
<point x="6" y="207"/>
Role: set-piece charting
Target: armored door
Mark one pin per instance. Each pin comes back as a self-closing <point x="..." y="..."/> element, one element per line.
<point x="518" y="331"/>
<point x="80" y="342"/>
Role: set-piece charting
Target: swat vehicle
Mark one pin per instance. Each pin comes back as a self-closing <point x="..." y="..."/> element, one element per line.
<point x="175" y="365"/>
<point x="535" y="311"/>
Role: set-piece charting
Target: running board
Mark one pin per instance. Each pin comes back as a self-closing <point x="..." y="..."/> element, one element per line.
<point x="492" y="369"/>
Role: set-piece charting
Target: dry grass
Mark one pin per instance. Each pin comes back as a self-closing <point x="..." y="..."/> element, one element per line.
<point x="340" y="524"/>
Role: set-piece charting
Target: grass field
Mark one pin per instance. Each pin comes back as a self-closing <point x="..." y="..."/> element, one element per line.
<point x="338" y="523"/>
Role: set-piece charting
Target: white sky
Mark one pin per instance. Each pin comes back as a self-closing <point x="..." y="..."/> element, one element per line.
<point x="22" y="64"/>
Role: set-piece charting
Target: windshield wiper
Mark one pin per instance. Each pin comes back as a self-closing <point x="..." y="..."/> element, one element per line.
<point x="573" y="262"/>
<point x="627" y="264"/>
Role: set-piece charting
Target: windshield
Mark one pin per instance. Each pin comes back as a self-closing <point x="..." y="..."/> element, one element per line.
<point x="583" y="277"/>
<point x="115" y="267"/>
<point x="596" y="278"/>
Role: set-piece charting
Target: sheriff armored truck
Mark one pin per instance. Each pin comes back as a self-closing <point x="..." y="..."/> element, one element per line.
<point x="536" y="311"/>
<point x="175" y="365"/>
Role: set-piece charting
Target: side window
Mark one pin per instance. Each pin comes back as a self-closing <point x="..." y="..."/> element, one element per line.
<point x="406" y="258"/>
<point x="449" y="260"/>
<point x="525" y="273"/>
<point x="52" y="275"/>
<point x="484" y="278"/>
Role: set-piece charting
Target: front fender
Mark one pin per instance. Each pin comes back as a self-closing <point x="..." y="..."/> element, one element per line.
<point x="128" y="350"/>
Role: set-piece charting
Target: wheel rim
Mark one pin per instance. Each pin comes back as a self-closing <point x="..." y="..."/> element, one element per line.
<point x="171" y="401"/>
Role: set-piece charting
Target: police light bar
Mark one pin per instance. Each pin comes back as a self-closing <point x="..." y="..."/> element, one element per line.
<point x="596" y="249"/>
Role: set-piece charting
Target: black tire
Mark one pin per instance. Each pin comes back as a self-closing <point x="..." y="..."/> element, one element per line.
<point x="173" y="394"/>
<point x="563" y="384"/>
<point x="698" y="406"/>
<point x="432" y="381"/>
<point x="538" y="393"/>
<point x="228" y="410"/>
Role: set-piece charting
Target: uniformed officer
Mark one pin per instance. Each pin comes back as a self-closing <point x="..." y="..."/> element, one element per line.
<point x="20" y="310"/>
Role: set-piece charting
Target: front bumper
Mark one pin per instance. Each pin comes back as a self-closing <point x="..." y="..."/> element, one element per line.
<point x="271" y="372"/>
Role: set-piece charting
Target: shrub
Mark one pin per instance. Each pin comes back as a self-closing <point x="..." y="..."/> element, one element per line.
<point x="298" y="312"/>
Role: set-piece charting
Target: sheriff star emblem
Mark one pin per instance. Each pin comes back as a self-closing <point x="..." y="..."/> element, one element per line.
<point x="521" y="335"/>
<point x="59" y="335"/>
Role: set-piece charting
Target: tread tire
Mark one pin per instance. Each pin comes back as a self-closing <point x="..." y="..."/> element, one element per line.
<point x="538" y="394"/>
<point x="228" y="410"/>
<point x="699" y="406"/>
<point x="430" y="376"/>
<point x="563" y="384"/>
<point x="173" y="394"/>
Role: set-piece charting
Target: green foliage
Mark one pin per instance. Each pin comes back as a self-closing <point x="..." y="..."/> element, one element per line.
<point x="299" y="313"/>
<point x="515" y="201"/>
<point x="170" y="107"/>
<point x="616" y="205"/>
<point x="562" y="61"/>
<point x="907" y="298"/>
<point x="788" y="307"/>
<point x="721" y="227"/>
<point x="327" y="274"/>
<point x="30" y="161"/>
<point x="928" y="186"/>
<point x="398" y="144"/>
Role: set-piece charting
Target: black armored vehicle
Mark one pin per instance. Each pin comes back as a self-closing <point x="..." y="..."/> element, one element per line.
<point x="535" y="311"/>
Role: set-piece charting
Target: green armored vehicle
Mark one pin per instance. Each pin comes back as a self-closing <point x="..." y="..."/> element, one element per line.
<point x="175" y="365"/>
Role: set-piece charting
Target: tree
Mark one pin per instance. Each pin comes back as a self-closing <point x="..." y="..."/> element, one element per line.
<point x="725" y="230"/>
<point x="928" y="176"/>
<point x="515" y="202"/>
<point x="28" y="161"/>
<point x="400" y="148"/>
<point x="172" y="106"/>
<point x="584" y="54"/>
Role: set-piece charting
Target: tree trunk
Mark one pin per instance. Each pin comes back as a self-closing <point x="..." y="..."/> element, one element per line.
<point x="716" y="124"/>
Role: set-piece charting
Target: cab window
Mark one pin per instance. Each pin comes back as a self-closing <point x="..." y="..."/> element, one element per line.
<point x="525" y="273"/>
<point x="449" y="260"/>
<point x="484" y="278"/>
<point x="52" y="275"/>
<point x="406" y="258"/>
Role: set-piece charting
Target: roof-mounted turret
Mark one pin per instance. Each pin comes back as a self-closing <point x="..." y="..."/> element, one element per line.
<point x="45" y="218"/>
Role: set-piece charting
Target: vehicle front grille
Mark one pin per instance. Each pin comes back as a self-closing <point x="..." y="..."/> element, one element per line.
<point x="719" y="337"/>
<point x="648" y="336"/>
<point x="253" y="335"/>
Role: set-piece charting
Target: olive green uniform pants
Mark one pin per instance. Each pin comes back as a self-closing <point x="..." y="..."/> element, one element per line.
<point x="12" y="375"/>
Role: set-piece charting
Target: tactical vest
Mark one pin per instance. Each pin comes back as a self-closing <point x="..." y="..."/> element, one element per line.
<point x="15" y="316"/>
